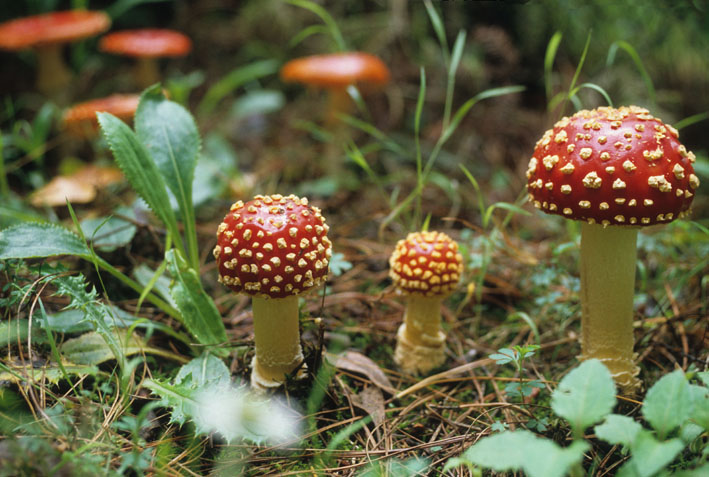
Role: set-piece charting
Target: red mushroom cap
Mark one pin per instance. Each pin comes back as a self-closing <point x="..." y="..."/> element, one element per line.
<point x="337" y="70"/>
<point x="613" y="167"/>
<point x="52" y="28"/>
<point x="146" y="43"/>
<point x="81" y="119"/>
<point x="426" y="263"/>
<point x="273" y="246"/>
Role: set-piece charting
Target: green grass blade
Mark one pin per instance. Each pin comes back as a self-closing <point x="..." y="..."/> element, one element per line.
<point x="326" y="19"/>
<point x="233" y="80"/>
<point x="549" y="57"/>
<point x="307" y="32"/>
<point x="632" y="52"/>
<point x="596" y="88"/>
<point x="690" y="120"/>
<point x="439" y="29"/>
<point x="458" y="48"/>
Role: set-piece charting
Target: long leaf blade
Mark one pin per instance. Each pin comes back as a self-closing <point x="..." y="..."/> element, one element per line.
<point x="36" y="240"/>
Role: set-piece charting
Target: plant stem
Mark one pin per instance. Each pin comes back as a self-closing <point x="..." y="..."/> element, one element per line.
<point x="52" y="73"/>
<point x="608" y="257"/>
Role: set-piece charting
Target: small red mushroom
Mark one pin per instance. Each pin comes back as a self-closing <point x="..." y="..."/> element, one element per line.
<point x="46" y="34"/>
<point x="80" y="119"/>
<point x="146" y="45"/>
<point x="615" y="170"/>
<point x="426" y="266"/>
<point x="334" y="73"/>
<point x="273" y="248"/>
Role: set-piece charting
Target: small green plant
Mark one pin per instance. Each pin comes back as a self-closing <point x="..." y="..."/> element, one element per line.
<point x="676" y="410"/>
<point x="517" y="355"/>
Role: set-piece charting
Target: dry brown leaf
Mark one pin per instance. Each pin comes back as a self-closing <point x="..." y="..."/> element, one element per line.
<point x="358" y="363"/>
<point x="79" y="187"/>
<point x="370" y="400"/>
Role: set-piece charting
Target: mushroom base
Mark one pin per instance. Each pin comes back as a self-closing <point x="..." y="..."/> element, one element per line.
<point x="419" y="356"/>
<point x="608" y="256"/>
<point x="277" y="339"/>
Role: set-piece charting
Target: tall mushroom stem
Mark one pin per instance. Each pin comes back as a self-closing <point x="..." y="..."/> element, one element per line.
<point x="277" y="337"/>
<point x="608" y="256"/>
<point x="146" y="72"/>
<point x="420" y="343"/>
<point x="52" y="73"/>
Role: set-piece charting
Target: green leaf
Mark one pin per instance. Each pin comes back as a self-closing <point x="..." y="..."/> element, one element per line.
<point x="170" y="135"/>
<point x="35" y="240"/>
<point x="233" y="80"/>
<point x="549" y="57"/>
<point x="199" y="313"/>
<point x="700" y="400"/>
<point x="523" y="450"/>
<point x="108" y="233"/>
<point x="617" y="429"/>
<point x="203" y="371"/>
<point x="91" y="348"/>
<point x="668" y="403"/>
<point x="650" y="455"/>
<point x="585" y="396"/>
<point x="140" y="169"/>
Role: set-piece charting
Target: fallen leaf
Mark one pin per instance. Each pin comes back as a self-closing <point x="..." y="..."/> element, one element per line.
<point x="371" y="400"/>
<point x="78" y="188"/>
<point x="358" y="363"/>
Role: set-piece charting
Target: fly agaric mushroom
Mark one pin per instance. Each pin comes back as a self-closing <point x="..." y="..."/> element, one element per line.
<point x="46" y="34"/>
<point x="426" y="266"/>
<point x="80" y="120"/>
<point x="615" y="170"/>
<point x="146" y="45"/>
<point x="273" y="248"/>
<point x="335" y="72"/>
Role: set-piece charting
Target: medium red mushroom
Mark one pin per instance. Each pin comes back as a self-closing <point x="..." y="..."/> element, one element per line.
<point x="334" y="73"/>
<point x="275" y="249"/>
<point x="616" y="170"/>
<point x="146" y="45"/>
<point x="46" y="34"/>
<point x="80" y="119"/>
<point x="426" y="266"/>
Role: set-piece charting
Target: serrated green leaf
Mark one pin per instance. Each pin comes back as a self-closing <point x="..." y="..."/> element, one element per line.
<point x="35" y="240"/>
<point x="585" y="396"/>
<point x="523" y="450"/>
<point x="650" y="455"/>
<point x="177" y="398"/>
<point x="199" y="313"/>
<point x="91" y="347"/>
<point x="140" y="169"/>
<point x="700" y="401"/>
<point x="668" y="403"/>
<point x="617" y="429"/>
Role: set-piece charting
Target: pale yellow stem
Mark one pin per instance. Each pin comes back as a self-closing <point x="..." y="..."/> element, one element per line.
<point x="608" y="256"/>
<point x="277" y="337"/>
<point x="420" y="345"/>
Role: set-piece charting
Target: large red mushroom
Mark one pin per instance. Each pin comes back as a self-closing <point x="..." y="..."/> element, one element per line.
<point x="275" y="249"/>
<point x="615" y="170"/>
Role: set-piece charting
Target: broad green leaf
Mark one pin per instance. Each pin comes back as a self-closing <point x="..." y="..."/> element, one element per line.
<point x="91" y="347"/>
<point x="170" y="135"/>
<point x="585" y="396"/>
<point x="650" y="455"/>
<point x="668" y="403"/>
<point x="51" y="372"/>
<point x="617" y="429"/>
<point x="700" y="400"/>
<point x="523" y="450"/>
<point x="199" y="313"/>
<point x="35" y="240"/>
<point x="140" y="169"/>
<point x="16" y="330"/>
<point x="704" y="377"/>
<point x="108" y="233"/>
